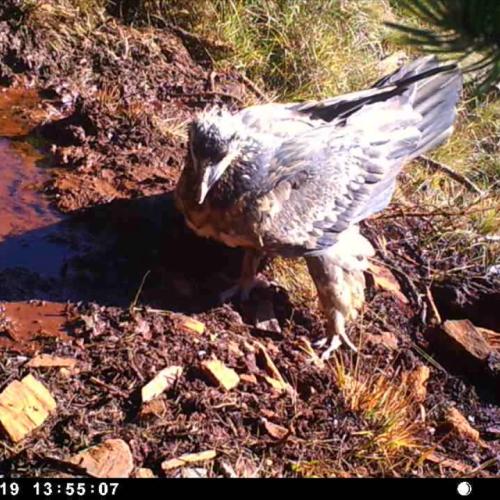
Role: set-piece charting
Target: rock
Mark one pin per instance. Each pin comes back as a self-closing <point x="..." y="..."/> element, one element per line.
<point x="110" y="459"/>
<point x="49" y="361"/>
<point x="464" y="336"/>
<point x="220" y="374"/>
<point x="143" y="473"/>
<point x="24" y="406"/>
<point x="492" y="337"/>
<point x="461" y="426"/>
<point x="162" y="381"/>
<point x="275" y="431"/>
<point x="417" y="379"/>
<point x="383" y="279"/>
<point x="188" y="458"/>
<point x="265" y="317"/>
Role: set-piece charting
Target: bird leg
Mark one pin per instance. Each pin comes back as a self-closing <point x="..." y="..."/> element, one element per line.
<point x="338" y="298"/>
<point x="248" y="278"/>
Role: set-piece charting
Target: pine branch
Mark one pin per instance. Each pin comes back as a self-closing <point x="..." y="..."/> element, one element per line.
<point x="459" y="28"/>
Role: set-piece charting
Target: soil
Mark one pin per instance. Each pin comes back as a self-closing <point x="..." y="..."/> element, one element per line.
<point x="96" y="264"/>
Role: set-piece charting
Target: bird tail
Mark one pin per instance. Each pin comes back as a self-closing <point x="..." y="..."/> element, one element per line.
<point x="433" y="90"/>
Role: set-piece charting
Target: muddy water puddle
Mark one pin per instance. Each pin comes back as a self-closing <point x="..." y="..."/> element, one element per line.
<point x="37" y="243"/>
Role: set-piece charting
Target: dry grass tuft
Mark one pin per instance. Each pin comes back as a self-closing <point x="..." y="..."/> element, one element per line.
<point x="389" y="409"/>
<point x="294" y="277"/>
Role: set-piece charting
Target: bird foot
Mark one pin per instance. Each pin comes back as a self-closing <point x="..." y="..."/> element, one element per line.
<point x="333" y="344"/>
<point x="242" y="290"/>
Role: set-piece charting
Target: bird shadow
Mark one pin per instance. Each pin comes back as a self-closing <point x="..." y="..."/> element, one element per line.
<point x="104" y="253"/>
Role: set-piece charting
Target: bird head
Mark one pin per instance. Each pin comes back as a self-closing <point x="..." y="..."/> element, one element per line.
<point x="214" y="142"/>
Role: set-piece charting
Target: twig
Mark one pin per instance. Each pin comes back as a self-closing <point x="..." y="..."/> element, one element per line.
<point x="205" y="93"/>
<point x="254" y="88"/>
<point x="203" y="41"/>
<point x="111" y="389"/>
<point x="141" y="286"/>
<point x="434" y="308"/>
<point x="436" y="165"/>
<point x="435" y="213"/>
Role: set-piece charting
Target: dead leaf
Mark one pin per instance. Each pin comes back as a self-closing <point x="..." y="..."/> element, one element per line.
<point x="24" y="406"/>
<point x="417" y="380"/>
<point x="461" y="426"/>
<point x="220" y="374"/>
<point x="112" y="459"/>
<point x="154" y="408"/>
<point x="385" y="338"/>
<point x="275" y="431"/>
<point x="450" y="463"/>
<point x="188" y="458"/>
<point x="162" y="381"/>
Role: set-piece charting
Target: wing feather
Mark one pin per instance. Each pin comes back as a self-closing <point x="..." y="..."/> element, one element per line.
<point x="321" y="182"/>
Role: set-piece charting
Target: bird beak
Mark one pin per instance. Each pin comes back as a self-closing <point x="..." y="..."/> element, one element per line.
<point x="208" y="179"/>
<point x="212" y="173"/>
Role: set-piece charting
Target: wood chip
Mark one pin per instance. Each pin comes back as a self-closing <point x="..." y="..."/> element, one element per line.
<point x="274" y="377"/>
<point x="143" y="473"/>
<point x="193" y="325"/>
<point x="49" y="361"/>
<point x="275" y="431"/>
<point x="24" y="406"/>
<point x="248" y="378"/>
<point x="269" y="365"/>
<point x="220" y="374"/>
<point x="112" y="458"/>
<point x="162" y="381"/>
<point x="188" y="458"/>
<point x="276" y="384"/>
<point x="383" y="279"/>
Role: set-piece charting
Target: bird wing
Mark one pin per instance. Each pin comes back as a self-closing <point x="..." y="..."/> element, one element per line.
<point x="288" y="120"/>
<point x="277" y="120"/>
<point x="322" y="181"/>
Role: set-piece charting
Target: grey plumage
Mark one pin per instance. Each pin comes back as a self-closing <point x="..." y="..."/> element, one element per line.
<point x="290" y="179"/>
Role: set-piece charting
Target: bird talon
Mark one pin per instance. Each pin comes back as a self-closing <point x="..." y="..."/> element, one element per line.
<point x="335" y="343"/>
